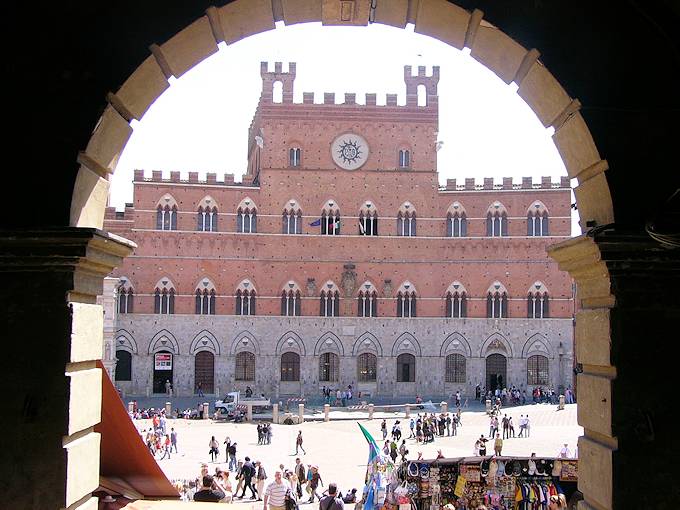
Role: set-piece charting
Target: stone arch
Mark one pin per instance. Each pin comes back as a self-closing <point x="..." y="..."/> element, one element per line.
<point x="208" y="201"/>
<point x="205" y="341"/>
<point x="537" y="344"/>
<point x="537" y="206"/>
<point x="449" y="345"/>
<point x="323" y="345"/>
<point x="456" y="208"/>
<point x="125" y="341"/>
<point x="205" y="283"/>
<point x="364" y="343"/>
<point x="285" y="345"/>
<point x="496" y="343"/>
<point x="244" y="341"/>
<point x="167" y="199"/>
<point x="406" y="343"/>
<point x="247" y="205"/>
<point x="163" y="341"/>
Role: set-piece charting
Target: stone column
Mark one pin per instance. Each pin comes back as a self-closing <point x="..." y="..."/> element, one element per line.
<point x="275" y="413"/>
<point x="326" y="410"/>
<point x="168" y="409"/>
<point x="54" y="337"/>
<point x="370" y="411"/>
<point x="407" y="411"/>
<point x="131" y="407"/>
<point x="301" y="413"/>
<point x="206" y="410"/>
<point x="444" y="406"/>
<point x="249" y="412"/>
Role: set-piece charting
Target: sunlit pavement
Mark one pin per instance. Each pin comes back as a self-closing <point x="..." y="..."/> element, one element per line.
<point x="340" y="450"/>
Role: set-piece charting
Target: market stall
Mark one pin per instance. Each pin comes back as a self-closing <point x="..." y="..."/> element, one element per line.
<point x="500" y="483"/>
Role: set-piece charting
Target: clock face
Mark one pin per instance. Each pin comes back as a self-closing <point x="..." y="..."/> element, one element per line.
<point x="349" y="151"/>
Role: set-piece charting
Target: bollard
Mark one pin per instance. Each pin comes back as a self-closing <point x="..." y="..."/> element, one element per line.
<point x="326" y="410"/>
<point x="131" y="407"/>
<point x="444" y="407"/>
<point x="301" y="413"/>
<point x="488" y="405"/>
<point x="168" y="409"/>
<point x="275" y="413"/>
<point x="370" y="411"/>
<point x="561" y="405"/>
<point x="407" y="409"/>
<point x="206" y="410"/>
<point x="249" y="412"/>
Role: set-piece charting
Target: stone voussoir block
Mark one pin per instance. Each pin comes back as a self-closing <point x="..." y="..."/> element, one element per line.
<point x="543" y="93"/>
<point x="109" y="139"/>
<point x="576" y="145"/>
<point x="392" y="13"/>
<point x="594" y="403"/>
<point x="498" y="52"/>
<point x="82" y="467"/>
<point x="242" y="18"/>
<point x="89" y="199"/>
<point x="593" y="340"/>
<point x="595" y="472"/>
<point x="87" y="332"/>
<point x="85" y="397"/>
<point x="442" y="20"/>
<point x="594" y="200"/>
<point x="301" y="11"/>
<point x="190" y="46"/>
<point x="143" y="87"/>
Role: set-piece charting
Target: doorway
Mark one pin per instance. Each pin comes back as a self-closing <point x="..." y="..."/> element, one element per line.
<point x="204" y="372"/>
<point x="496" y="371"/>
<point x="162" y="370"/>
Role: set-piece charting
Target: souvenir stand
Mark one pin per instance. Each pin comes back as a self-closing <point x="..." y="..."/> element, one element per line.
<point x="500" y="483"/>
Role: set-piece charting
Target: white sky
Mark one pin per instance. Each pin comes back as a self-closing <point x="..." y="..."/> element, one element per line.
<point x="201" y="122"/>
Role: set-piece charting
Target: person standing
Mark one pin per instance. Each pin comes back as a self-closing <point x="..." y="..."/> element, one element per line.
<point x="482" y="445"/>
<point x="298" y="443"/>
<point x="383" y="429"/>
<point x="402" y="450"/>
<point x="166" y="447"/>
<point x="412" y="426"/>
<point x="168" y="387"/>
<point x="210" y="491"/>
<point x="173" y="439"/>
<point x="498" y="445"/>
<point x="504" y="424"/>
<point x="527" y="426"/>
<point x="511" y="427"/>
<point x="239" y="477"/>
<point x="521" y="424"/>
<point x="393" y="451"/>
<point x="200" y="389"/>
<point x="260" y="477"/>
<point x="331" y="501"/>
<point x="214" y="449"/>
<point x="232" y="456"/>
<point x="247" y="473"/>
<point x="275" y="494"/>
<point x="564" y="452"/>
<point x="314" y="484"/>
<point x="300" y="474"/>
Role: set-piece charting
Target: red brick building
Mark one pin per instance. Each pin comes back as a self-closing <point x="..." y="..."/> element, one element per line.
<point x="340" y="260"/>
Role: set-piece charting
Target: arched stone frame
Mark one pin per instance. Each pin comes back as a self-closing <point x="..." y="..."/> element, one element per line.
<point x="294" y="144"/>
<point x="284" y="344"/>
<point x="451" y="24"/>
<point x="204" y="341"/>
<point x="537" y="291"/>
<point x="367" y="211"/>
<point x="292" y="209"/>
<point x="496" y="344"/>
<point x="456" y="211"/>
<point x="244" y="341"/>
<point x="208" y="201"/>
<point x="537" y="344"/>
<point x="406" y="343"/>
<point x="163" y="341"/>
<point x="125" y="341"/>
<point x="449" y="345"/>
<point x="335" y="344"/>
<point x="537" y="210"/>
<point x="167" y="200"/>
<point x="367" y="342"/>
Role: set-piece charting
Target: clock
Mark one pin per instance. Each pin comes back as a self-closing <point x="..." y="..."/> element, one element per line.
<point x="349" y="151"/>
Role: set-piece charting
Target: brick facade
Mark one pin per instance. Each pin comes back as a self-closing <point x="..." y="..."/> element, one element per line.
<point x="272" y="262"/>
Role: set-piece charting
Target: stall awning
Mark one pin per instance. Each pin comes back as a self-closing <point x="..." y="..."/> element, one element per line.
<point x="124" y="456"/>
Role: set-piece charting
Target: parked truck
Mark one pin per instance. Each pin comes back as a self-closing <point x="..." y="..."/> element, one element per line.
<point x="233" y="399"/>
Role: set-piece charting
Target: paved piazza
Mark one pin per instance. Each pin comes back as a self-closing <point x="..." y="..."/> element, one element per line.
<point x="340" y="450"/>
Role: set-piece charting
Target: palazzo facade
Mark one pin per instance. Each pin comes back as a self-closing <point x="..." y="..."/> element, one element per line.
<point x="340" y="260"/>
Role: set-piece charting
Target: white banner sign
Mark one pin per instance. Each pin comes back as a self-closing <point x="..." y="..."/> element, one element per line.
<point x="163" y="361"/>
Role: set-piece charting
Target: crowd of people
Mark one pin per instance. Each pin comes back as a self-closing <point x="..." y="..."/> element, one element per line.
<point x="337" y="397"/>
<point x="519" y="396"/>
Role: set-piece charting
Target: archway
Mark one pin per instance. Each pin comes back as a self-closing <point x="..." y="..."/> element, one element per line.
<point x="162" y="371"/>
<point x="204" y="372"/>
<point x="496" y="372"/>
<point x="443" y="20"/>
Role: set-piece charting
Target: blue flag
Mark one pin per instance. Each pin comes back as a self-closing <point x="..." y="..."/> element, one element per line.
<point x="315" y="223"/>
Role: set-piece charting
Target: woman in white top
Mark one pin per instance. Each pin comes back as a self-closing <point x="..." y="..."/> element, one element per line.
<point x="225" y="484"/>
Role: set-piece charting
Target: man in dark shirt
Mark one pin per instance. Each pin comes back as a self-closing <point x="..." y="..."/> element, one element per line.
<point x="332" y="501"/>
<point x="210" y="492"/>
<point x="248" y="472"/>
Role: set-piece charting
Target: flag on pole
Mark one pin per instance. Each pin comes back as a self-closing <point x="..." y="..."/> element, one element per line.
<point x="375" y="481"/>
<point x="362" y="229"/>
<point x="315" y="223"/>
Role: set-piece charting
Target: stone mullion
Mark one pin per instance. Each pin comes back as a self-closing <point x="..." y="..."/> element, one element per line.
<point x="60" y="403"/>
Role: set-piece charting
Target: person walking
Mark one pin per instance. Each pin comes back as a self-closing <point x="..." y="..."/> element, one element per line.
<point x="331" y="501"/>
<point x="522" y="426"/>
<point x="498" y="445"/>
<point x="482" y="445"/>
<point x="527" y="426"/>
<point x="412" y="426"/>
<point x="504" y="424"/>
<point x="239" y="477"/>
<point x="298" y="443"/>
<point x="261" y="476"/>
<point x="301" y="475"/>
<point x="214" y="449"/>
<point x="314" y="484"/>
<point x="199" y="387"/>
<point x="402" y="450"/>
<point x="383" y="429"/>
<point x="393" y="451"/>
<point x="275" y="493"/>
<point x="247" y="473"/>
<point x="173" y="439"/>
<point x="511" y="427"/>
<point x="232" y="456"/>
<point x="166" y="447"/>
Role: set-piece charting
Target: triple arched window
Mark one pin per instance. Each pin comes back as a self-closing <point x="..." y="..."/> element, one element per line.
<point x="537" y="220"/>
<point x="330" y="219"/>
<point x="166" y="214"/>
<point x="291" y="300"/>
<point x="206" y="217"/>
<point x="406" y="300"/>
<point x="456" y="301"/>
<point x="164" y="297"/>
<point x="125" y="296"/>
<point x="292" y="218"/>
<point x="367" y="301"/>
<point x="368" y="220"/>
<point x="406" y="220"/>
<point x="246" y="217"/>
<point x="537" y="302"/>
<point x="456" y="221"/>
<point x="205" y="302"/>
<point x="497" y="302"/>
<point x="329" y="301"/>
<point x="497" y="220"/>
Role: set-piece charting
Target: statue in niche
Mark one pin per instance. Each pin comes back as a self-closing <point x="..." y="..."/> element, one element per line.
<point x="387" y="288"/>
<point x="311" y="287"/>
<point x="349" y="280"/>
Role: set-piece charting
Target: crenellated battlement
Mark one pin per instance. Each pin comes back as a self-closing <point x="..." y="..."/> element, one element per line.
<point x="506" y="183"/>
<point x="210" y="178"/>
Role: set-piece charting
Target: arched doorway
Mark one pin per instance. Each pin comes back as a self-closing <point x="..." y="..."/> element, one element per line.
<point x="496" y="371"/>
<point x="204" y="371"/>
<point x="123" y="366"/>
<point x="162" y="370"/>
